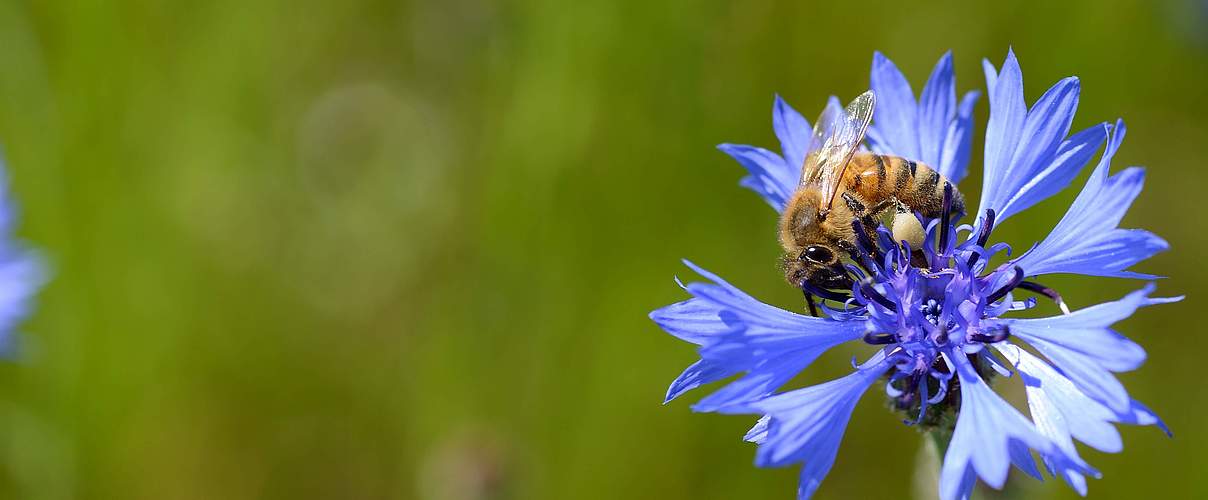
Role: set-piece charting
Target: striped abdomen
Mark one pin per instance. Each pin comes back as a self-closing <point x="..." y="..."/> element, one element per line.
<point x="878" y="178"/>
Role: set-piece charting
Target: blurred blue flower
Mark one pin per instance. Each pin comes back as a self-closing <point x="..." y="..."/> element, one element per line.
<point x="941" y="326"/>
<point x="22" y="271"/>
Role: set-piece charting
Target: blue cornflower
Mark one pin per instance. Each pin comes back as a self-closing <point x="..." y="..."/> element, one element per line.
<point x="942" y="327"/>
<point x="22" y="271"/>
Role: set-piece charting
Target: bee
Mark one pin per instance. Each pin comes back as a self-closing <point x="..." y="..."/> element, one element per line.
<point x="841" y="184"/>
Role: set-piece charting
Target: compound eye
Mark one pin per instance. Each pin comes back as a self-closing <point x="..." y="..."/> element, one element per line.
<point x="816" y="254"/>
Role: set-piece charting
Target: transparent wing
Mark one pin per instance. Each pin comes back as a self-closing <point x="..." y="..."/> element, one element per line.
<point x="837" y="135"/>
<point x="825" y="128"/>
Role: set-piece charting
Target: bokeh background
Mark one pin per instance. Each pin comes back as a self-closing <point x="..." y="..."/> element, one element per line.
<point x="396" y="250"/>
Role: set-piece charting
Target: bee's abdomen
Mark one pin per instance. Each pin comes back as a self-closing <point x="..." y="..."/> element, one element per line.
<point x="916" y="185"/>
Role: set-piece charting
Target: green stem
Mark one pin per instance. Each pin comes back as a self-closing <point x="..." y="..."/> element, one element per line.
<point x="927" y="467"/>
<point x="927" y="464"/>
<point x="939" y="438"/>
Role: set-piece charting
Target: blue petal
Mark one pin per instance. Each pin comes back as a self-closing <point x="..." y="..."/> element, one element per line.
<point x="759" y="432"/>
<point x="1054" y="400"/>
<point x="989" y="436"/>
<point x="1021" y="456"/>
<point x="737" y="334"/>
<point x="1061" y="168"/>
<point x="762" y="379"/>
<point x="1139" y="414"/>
<point x="1007" y="114"/>
<point x="897" y="112"/>
<point x="877" y="143"/>
<point x="1086" y="350"/>
<point x="959" y="487"/>
<point x="794" y="133"/>
<point x="992" y="73"/>
<point x="1026" y="156"/>
<point x="1062" y="413"/>
<point x="954" y="161"/>
<point x="771" y="177"/>
<point x="692" y="320"/>
<point x="1044" y="130"/>
<point x="1087" y="239"/>
<point x="934" y="130"/>
<point x="937" y="107"/>
<point x="806" y="425"/>
<point x="700" y="372"/>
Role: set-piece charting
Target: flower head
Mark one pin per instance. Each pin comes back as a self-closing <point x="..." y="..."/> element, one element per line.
<point x="939" y="316"/>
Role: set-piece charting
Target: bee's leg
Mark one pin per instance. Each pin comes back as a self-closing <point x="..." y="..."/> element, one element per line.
<point x="881" y="207"/>
<point x="809" y="299"/>
<point x="867" y="216"/>
<point x="946" y="217"/>
<point x="876" y="216"/>
<point x="857" y="208"/>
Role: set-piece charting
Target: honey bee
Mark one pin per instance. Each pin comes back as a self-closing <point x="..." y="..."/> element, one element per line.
<point x="840" y="185"/>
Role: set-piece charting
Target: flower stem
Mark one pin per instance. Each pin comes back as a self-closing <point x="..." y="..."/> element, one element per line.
<point x="927" y="470"/>
<point x="927" y="466"/>
<point x="939" y="439"/>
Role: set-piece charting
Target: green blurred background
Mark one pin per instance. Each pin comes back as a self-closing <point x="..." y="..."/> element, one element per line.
<point x="406" y="249"/>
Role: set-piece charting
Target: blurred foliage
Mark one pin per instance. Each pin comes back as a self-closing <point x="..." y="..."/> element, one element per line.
<point x="406" y="249"/>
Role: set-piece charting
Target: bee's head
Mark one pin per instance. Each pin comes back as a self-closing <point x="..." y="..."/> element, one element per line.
<point x="801" y="220"/>
<point x="811" y="244"/>
<point x="820" y="266"/>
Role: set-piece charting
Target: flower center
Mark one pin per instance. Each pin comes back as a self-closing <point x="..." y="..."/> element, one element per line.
<point x="923" y="304"/>
<point x="931" y="310"/>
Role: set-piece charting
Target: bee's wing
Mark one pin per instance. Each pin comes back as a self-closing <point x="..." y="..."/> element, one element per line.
<point x="837" y="136"/>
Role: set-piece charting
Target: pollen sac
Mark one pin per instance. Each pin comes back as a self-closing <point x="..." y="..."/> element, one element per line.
<point x="906" y="227"/>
